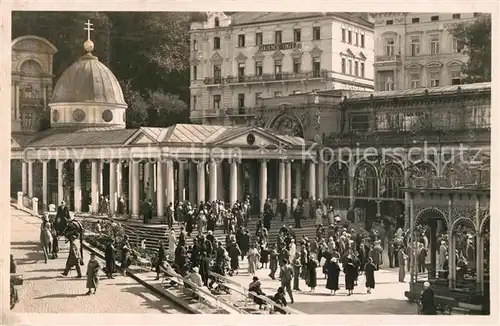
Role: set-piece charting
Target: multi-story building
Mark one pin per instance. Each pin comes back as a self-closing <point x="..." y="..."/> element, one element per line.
<point x="239" y="59"/>
<point x="416" y="50"/>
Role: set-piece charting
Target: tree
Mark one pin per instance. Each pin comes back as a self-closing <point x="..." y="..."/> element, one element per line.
<point x="474" y="38"/>
<point x="169" y="109"/>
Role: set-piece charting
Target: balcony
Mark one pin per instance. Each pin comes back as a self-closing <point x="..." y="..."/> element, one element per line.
<point x="243" y="111"/>
<point x="285" y="76"/>
<point x="30" y="101"/>
<point x="387" y="61"/>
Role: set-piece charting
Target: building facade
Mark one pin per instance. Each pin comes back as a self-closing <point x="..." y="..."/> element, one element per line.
<point x="416" y="50"/>
<point x="239" y="60"/>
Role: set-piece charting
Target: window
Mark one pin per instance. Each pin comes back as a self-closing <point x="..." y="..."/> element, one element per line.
<point x="216" y="43"/>
<point x="195" y="45"/>
<point x="316" y="67"/>
<point x="316" y="33"/>
<point x="415" y="20"/>
<point x="241" y="101"/>
<point x="278" y="37"/>
<point x="343" y="65"/>
<point x="362" y="40"/>
<point x="258" y="38"/>
<point x="356" y="39"/>
<point x="194" y="103"/>
<point x="362" y="69"/>
<point x="456" y="78"/>
<point x="278" y="69"/>
<point x="296" y="35"/>
<point x="389" y="84"/>
<point x="389" y="46"/>
<point x="258" y="68"/>
<point x="27" y="120"/>
<point x="296" y="65"/>
<point x="350" y="67"/>
<point x="415" y="45"/>
<point x="455" y="16"/>
<point x="217" y="74"/>
<point x="258" y="98"/>
<point x="241" y="72"/>
<point x="434" y="44"/>
<point x="415" y="80"/>
<point x="456" y="47"/>
<point x="434" y="18"/>
<point x="434" y="77"/>
<point x="343" y="35"/>
<point x="389" y="22"/>
<point x="277" y="94"/>
<point x="216" y="22"/>
<point x="349" y="37"/>
<point x="217" y="102"/>
<point x="241" y="41"/>
<point x="356" y="64"/>
<point x="195" y="72"/>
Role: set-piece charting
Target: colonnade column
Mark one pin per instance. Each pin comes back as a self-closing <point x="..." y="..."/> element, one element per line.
<point x="479" y="247"/>
<point x="160" y="190"/>
<point x="95" y="187"/>
<point x="220" y="181"/>
<point x="325" y="180"/>
<point x="44" y="185"/>
<point x="101" y="177"/>
<point x="282" y="181"/>
<point x="147" y="180"/>
<point x="113" y="195"/>
<point x="201" y="182"/>
<point x="77" y="193"/>
<point x="319" y="181"/>
<point x="119" y="172"/>
<point x="170" y="182"/>
<point x="192" y="183"/>
<point x="60" y="189"/>
<point x="351" y="183"/>
<point x="30" y="179"/>
<point x="312" y="180"/>
<point x="181" y="182"/>
<point x="263" y="184"/>
<point x="406" y="176"/>
<point x="298" y="180"/>
<point x="233" y="188"/>
<point x="134" y="167"/>
<point x="213" y="180"/>
<point x="24" y="177"/>
<point x="288" y="185"/>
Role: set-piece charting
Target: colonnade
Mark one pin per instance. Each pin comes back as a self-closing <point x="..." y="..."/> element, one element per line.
<point x="164" y="182"/>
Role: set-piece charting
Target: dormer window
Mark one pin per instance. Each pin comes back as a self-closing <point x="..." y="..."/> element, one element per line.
<point x="216" y="22"/>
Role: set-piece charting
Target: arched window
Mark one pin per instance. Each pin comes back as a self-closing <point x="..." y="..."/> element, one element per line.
<point x="338" y="180"/>
<point x="467" y="171"/>
<point x="365" y="180"/>
<point x="391" y="181"/>
<point x="216" y="21"/>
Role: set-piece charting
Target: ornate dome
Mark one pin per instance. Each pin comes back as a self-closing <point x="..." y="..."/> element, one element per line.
<point x="88" y="80"/>
<point x="87" y="95"/>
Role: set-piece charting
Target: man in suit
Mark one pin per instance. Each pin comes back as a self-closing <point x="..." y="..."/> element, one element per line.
<point x="161" y="257"/>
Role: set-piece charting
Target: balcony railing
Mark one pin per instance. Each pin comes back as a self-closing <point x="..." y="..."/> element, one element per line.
<point x="243" y="111"/>
<point x="268" y="77"/>
<point x="441" y="182"/>
<point x="31" y="100"/>
<point x="388" y="58"/>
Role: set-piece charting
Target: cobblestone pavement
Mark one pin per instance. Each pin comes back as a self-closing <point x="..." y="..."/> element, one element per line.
<point x="45" y="290"/>
<point x="387" y="297"/>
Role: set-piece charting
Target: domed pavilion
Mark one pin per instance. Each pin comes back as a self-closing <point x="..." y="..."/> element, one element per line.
<point x="87" y="153"/>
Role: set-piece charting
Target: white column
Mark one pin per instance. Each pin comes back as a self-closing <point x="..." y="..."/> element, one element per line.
<point x="288" y="184"/>
<point x="24" y="177"/>
<point x="319" y="181"/>
<point x="201" y="182"/>
<point x="263" y="184"/>
<point x="213" y="180"/>
<point x="101" y="177"/>
<point x="233" y="188"/>
<point x="60" y="189"/>
<point x="170" y="182"/>
<point x="312" y="180"/>
<point x="135" y="188"/>
<point x="119" y="180"/>
<point x="220" y="182"/>
<point x="325" y="180"/>
<point x="18" y="110"/>
<point x="113" y="195"/>
<point x="130" y="181"/>
<point x="241" y="179"/>
<point x="298" y="180"/>
<point x="192" y="183"/>
<point x="147" y="180"/>
<point x="44" y="185"/>
<point x="95" y="187"/>
<point x="181" y="182"/>
<point x="160" y="191"/>
<point x="77" y="194"/>
<point x="30" y="179"/>
<point x="282" y="181"/>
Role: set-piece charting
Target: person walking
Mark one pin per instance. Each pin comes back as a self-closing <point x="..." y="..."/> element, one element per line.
<point x="351" y="273"/>
<point x="74" y="258"/>
<point x="93" y="268"/>
<point x="286" y="278"/>
<point x="46" y="237"/>
<point x="370" y="269"/>
<point x="402" y="264"/>
<point x="160" y="258"/>
<point x="333" y="272"/>
<point x="312" y="279"/>
<point x="296" y="271"/>
<point x="110" y="259"/>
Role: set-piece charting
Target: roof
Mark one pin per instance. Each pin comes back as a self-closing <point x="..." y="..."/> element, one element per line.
<point x="244" y="18"/>
<point x="88" y="80"/>
<point x="441" y="90"/>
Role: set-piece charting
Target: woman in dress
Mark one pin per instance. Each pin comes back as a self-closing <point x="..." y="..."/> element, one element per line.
<point x="312" y="264"/>
<point x="293" y="250"/>
<point x="93" y="267"/>
<point x="333" y="272"/>
<point x="253" y="259"/>
<point x="172" y="243"/>
<point x="46" y="237"/>
<point x="370" y="275"/>
<point x="350" y="276"/>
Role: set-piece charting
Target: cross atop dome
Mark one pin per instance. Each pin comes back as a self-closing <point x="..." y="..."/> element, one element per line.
<point x="88" y="45"/>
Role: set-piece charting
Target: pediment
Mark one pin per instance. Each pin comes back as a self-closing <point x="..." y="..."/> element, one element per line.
<point x="455" y="63"/>
<point x="434" y="64"/>
<point x="316" y="52"/>
<point x="253" y="137"/>
<point x="216" y="58"/>
<point x="414" y="66"/>
<point x="258" y="56"/>
<point x="296" y="53"/>
<point x="140" y="137"/>
<point x="14" y="144"/>
<point x="362" y="56"/>
<point x="241" y="57"/>
<point x="349" y="52"/>
<point x="32" y="43"/>
<point x="278" y="55"/>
